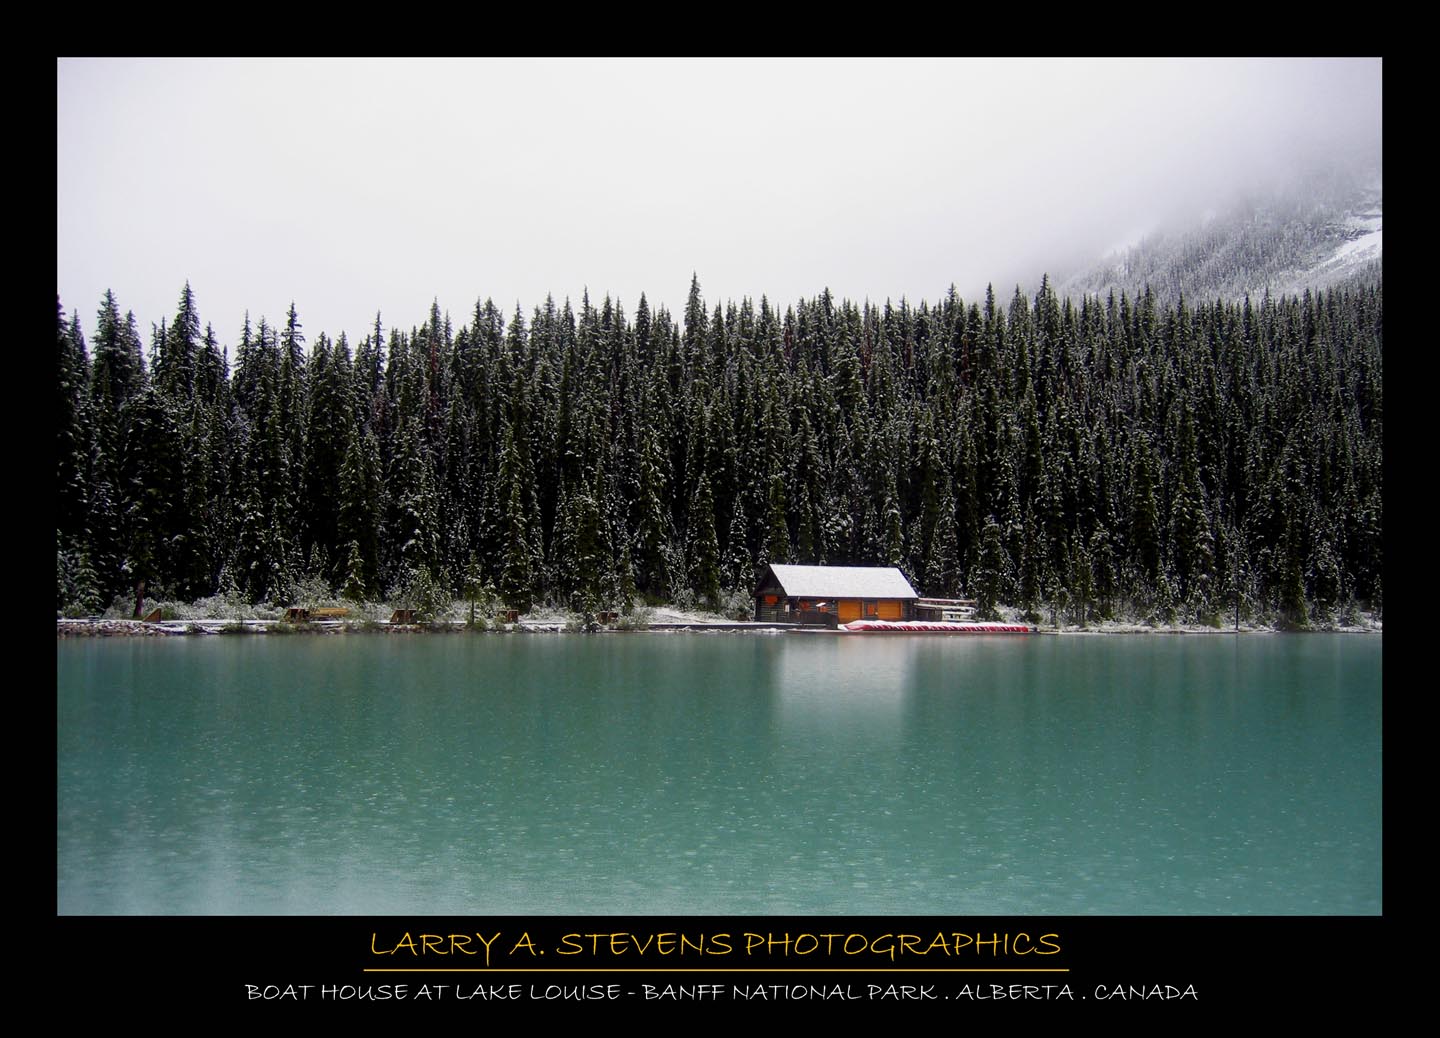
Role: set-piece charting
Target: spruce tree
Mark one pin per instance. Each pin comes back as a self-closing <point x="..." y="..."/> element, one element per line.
<point x="72" y="438"/>
<point x="702" y="547"/>
<point x="991" y="578"/>
<point x="357" y="523"/>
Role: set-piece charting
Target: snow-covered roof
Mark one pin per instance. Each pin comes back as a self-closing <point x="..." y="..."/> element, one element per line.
<point x="842" y="582"/>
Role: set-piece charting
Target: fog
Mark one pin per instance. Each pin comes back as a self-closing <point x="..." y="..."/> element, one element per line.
<point x="356" y="186"/>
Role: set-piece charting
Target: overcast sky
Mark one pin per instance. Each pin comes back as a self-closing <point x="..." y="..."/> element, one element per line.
<point x="357" y="186"/>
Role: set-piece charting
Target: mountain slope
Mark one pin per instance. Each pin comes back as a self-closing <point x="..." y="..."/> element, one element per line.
<point x="1325" y="230"/>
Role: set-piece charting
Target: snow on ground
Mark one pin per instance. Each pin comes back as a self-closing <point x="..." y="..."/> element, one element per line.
<point x="1365" y="624"/>
<point x="1367" y="246"/>
<point x="667" y="615"/>
<point x="552" y="622"/>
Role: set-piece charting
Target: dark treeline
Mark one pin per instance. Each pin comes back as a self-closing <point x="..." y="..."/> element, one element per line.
<point x="1082" y="460"/>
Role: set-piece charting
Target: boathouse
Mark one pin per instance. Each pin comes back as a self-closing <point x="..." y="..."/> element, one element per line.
<point x="832" y="595"/>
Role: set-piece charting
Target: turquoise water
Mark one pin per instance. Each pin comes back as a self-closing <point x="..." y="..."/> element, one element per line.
<point x="719" y="773"/>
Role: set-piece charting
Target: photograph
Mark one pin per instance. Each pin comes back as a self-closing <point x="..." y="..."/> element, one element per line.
<point x="703" y="487"/>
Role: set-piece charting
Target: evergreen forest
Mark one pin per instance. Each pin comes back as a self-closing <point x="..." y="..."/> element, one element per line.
<point x="1074" y="460"/>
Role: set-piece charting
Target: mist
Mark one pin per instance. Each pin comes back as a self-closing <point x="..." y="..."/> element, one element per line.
<point x="356" y="186"/>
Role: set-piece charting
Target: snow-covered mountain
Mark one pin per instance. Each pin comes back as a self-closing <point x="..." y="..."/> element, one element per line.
<point x="1324" y="230"/>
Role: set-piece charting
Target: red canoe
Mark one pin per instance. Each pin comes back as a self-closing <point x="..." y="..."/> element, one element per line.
<point x="928" y="627"/>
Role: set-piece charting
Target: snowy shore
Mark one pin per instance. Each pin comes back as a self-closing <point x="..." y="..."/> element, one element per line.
<point x="659" y="619"/>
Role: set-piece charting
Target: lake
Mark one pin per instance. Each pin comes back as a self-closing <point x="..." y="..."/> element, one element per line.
<point x="719" y="773"/>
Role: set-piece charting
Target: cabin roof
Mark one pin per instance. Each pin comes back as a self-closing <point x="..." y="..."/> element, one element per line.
<point x="842" y="582"/>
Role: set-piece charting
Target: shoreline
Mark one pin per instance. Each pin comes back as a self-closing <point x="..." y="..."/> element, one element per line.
<point x="112" y="628"/>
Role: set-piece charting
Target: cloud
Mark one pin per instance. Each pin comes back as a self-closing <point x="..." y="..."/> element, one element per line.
<point x="352" y="186"/>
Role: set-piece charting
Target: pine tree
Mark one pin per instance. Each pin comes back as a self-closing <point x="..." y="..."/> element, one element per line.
<point x="357" y="523"/>
<point x="651" y="523"/>
<point x="328" y="426"/>
<point x="777" y="545"/>
<point x="942" y="567"/>
<point x="516" y="579"/>
<point x="702" y="547"/>
<point x="175" y="365"/>
<point x="738" y="570"/>
<point x="412" y="526"/>
<point x="72" y="439"/>
<point x="1144" y="519"/>
<point x="515" y="554"/>
<point x="153" y="499"/>
<point x="118" y="374"/>
<point x="1189" y="523"/>
<point x="354" y="585"/>
<point x="991" y="578"/>
<point x="1102" y="566"/>
<point x="892" y="544"/>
